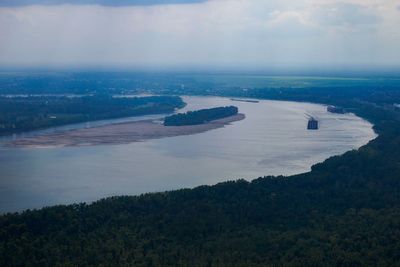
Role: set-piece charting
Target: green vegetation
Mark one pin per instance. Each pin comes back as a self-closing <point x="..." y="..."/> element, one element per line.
<point x="345" y="212"/>
<point x="25" y="113"/>
<point x="200" y="116"/>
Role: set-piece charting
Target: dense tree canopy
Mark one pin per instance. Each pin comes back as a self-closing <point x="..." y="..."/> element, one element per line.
<point x="25" y="113"/>
<point x="200" y="116"/>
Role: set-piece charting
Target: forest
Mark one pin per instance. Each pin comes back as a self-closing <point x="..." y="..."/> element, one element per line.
<point x="26" y="113"/>
<point x="345" y="212"/>
<point x="200" y="116"/>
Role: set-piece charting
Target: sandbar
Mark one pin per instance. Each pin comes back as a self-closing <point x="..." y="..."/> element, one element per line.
<point x="118" y="133"/>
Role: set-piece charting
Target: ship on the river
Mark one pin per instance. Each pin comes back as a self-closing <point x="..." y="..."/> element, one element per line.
<point x="312" y="124"/>
<point x="334" y="109"/>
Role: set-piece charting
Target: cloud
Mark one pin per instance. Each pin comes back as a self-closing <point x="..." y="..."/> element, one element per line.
<point x="346" y="14"/>
<point x="16" y="3"/>
<point x="291" y="25"/>
<point x="215" y="32"/>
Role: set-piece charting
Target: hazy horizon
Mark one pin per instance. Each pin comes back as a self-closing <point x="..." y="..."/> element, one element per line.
<point x="300" y="71"/>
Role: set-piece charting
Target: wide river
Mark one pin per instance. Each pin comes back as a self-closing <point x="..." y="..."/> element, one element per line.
<point x="272" y="140"/>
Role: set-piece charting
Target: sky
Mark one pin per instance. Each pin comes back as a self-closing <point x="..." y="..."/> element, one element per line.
<point x="167" y="33"/>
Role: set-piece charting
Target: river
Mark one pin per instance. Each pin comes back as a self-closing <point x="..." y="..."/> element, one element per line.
<point x="272" y="140"/>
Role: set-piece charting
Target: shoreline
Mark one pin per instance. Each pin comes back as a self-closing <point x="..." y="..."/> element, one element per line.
<point x="118" y="133"/>
<point x="155" y="120"/>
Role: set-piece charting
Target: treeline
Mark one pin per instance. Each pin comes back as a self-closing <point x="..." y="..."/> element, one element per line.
<point x="200" y="116"/>
<point x="28" y="113"/>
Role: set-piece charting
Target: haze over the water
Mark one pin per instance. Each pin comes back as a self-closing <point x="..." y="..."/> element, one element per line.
<point x="163" y="33"/>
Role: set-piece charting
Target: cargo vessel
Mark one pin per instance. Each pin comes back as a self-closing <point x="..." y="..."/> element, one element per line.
<point x="312" y="124"/>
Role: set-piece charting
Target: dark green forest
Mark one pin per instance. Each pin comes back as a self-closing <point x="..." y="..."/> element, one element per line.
<point x="200" y="116"/>
<point x="345" y="212"/>
<point x="25" y="113"/>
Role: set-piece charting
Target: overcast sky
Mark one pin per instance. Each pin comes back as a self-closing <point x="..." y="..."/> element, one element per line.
<point x="248" y="33"/>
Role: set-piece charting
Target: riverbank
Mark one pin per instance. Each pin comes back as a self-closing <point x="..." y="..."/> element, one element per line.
<point x="119" y="133"/>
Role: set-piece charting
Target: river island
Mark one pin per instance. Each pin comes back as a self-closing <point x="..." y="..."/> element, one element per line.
<point x="127" y="132"/>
